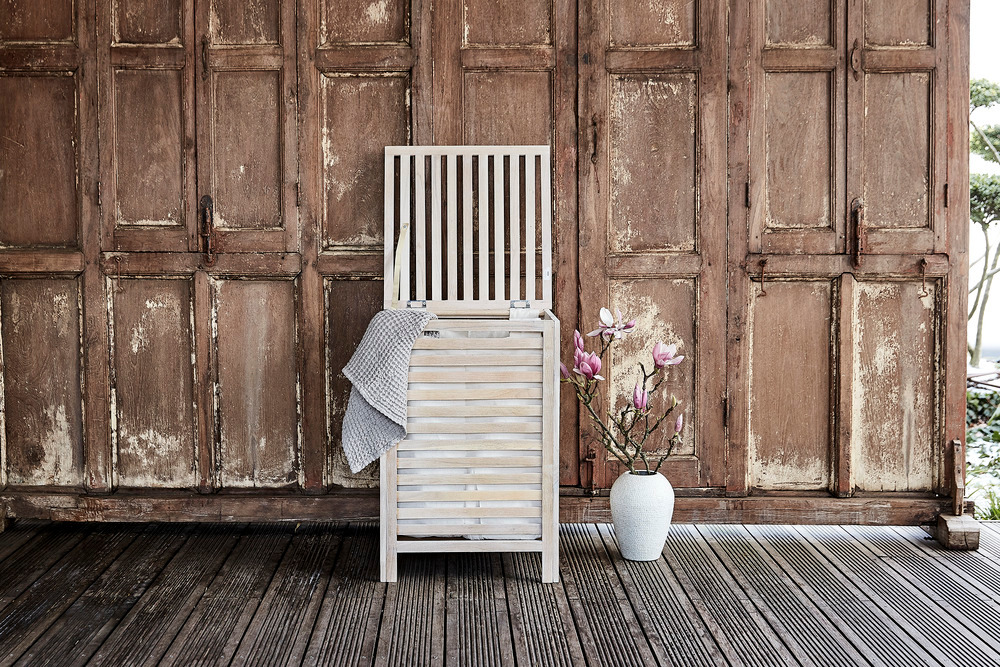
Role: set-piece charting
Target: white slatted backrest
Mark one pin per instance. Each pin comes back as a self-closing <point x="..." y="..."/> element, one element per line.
<point x="468" y="229"/>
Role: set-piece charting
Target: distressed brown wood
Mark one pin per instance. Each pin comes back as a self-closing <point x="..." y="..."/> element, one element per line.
<point x="40" y="323"/>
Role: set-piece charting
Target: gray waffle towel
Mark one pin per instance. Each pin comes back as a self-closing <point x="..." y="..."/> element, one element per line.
<point x="376" y="410"/>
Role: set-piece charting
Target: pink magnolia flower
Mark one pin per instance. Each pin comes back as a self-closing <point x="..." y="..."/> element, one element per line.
<point x="640" y="398"/>
<point x="589" y="366"/>
<point x="563" y="371"/>
<point x="610" y="327"/>
<point x="663" y="355"/>
<point x="578" y="340"/>
<point x="680" y="423"/>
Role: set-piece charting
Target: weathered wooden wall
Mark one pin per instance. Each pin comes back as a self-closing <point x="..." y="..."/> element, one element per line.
<point x="710" y="161"/>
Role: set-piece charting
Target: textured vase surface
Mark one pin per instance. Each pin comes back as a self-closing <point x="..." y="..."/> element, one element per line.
<point x="641" y="508"/>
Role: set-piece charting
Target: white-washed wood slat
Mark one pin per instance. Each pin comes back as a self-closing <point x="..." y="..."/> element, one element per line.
<point x="452" y="276"/>
<point x="480" y="393"/>
<point x="420" y="223"/>
<point x="467" y="240"/>
<point x="446" y="529"/>
<point x="510" y="326"/>
<point x="470" y="513"/>
<point x="467" y="546"/>
<point x="451" y="478"/>
<point x="529" y="228"/>
<point x="532" y="343"/>
<point x="404" y="219"/>
<point x="467" y="376"/>
<point x="475" y="411"/>
<point x="470" y="496"/>
<point x="484" y="229"/>
<point x="514" y="189"/>
<point x="479" y="358"/>
<point x="474" y="427"/>
<point x="437" y="265"/>
<point x="469" y="445"/>
<point x="468" y="462"/>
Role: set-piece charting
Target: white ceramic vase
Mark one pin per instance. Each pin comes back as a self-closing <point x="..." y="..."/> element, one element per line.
<point x="642" y="506"/>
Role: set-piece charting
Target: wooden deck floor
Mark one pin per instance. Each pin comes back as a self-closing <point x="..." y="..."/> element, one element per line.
<point x="125" y="594"/>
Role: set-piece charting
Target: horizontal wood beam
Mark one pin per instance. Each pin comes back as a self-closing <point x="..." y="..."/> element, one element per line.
<point x="363" y="504"/>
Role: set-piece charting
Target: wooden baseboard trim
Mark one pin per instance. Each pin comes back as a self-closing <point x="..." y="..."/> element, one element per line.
<point x="356" y="505"/>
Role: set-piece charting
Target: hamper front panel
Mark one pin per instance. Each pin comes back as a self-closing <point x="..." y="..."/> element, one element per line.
<point x="471" y="464"/>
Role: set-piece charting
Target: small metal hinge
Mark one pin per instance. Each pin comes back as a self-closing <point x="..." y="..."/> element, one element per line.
<point x="725" y="411"/>
<point x="419" y="303"/>
<point x="946" y="195"/>
<point x="520" y="304"/>
<point x="748" y="193"/>
<point x="298" y="193"/>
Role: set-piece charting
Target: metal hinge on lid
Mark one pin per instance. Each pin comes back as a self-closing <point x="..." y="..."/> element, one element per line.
<point x="420" y="303"/>
<point x="520" y="304"/>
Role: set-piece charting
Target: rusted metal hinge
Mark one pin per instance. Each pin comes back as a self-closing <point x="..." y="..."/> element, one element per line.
<point x="725" y="411"/>
<point x="747" y="194"/>
<point x="946" y="195"/>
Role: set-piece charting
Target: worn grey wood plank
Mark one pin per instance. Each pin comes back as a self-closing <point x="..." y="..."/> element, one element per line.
<point x="973" y="567"/>
<point x="28" y="616"/>
<point x="596" y="593"/>
<point x="144" y="635"/>
<point x="669" y="620"/>
<point x="280" y="630"/>
<point x="216" y="625"/>
<point x="413" y="623"/>
<point x="541" y="622"/>
<point x="753" y="639"/>
<point x="77" y="633"/>
<point x="347" y="628"/>
<point x="938" y="623"/>
<point x="855" y="608"/>
<point x="808" y="633"/>
<point x="477" y="625"/>
<point x="966" y="601"/>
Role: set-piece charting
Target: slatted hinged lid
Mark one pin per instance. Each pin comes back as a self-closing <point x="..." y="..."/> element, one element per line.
<point x="468" y="229"/>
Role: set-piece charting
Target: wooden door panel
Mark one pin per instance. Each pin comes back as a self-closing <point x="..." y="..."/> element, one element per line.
<point x="665" y="310"/>
<point x="898" y="22"/>
<point x="799" y="22"/>
<point x="503" y="107"/>
<point x="894" y="432"/>
<point x="350" y="305"/>
<point x="153" y="382"/>
<point x="643" y="23"/>
<point x="257" y="386"/>
<point x="42" y="399"/>
<point x="39" y="178"/>
<point x="796" y="183"/>
<point x="520" y="22"/>
<point x="653" y="163"/>
<point x="801" y="162"/>
<point x="361" y="115"/>
<point x="148" y="142"/>
<point x="246" y="171"/>
<point x="386" y="22"/>
<point x="790" y="388"/>
<point x="147" y="21"/>
<point x="244" y="22"/>
<point x="33" y="21"/>
<point x="897" y="181"/>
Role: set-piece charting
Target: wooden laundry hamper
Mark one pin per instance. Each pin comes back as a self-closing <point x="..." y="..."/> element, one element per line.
<point x="468" y="234"/>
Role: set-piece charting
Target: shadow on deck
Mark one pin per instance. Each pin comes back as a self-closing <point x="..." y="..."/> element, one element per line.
<point x="122" y="594"/>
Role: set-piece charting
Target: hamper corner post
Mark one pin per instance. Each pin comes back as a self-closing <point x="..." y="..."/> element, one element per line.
<point x="387" y="518"/>
<point x="550" y="464"/>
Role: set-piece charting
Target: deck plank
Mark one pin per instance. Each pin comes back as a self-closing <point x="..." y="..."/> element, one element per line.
<point x="346" y="630"/>
<point x="669" y="619"/>
<point x="279" y="632"/>
<point x="596" y="593"/>
<point x="79" y="631"/>
<point x="973" y="567"/>
<point x="901" y="596"/>
<point x="477" y="624"/>
<point x="19" y="532"/>
<point x="216" y="625"/>
<point x="144" y="635"/>
<point x="749" y="633"/>
<point x="856" y="609"/>
<point x="34" y="558"/>
<point x="413" y="623"/>
<point x="28" y="616"/>
<point x="541" y="622"/>
<point x="802" y="626"/>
